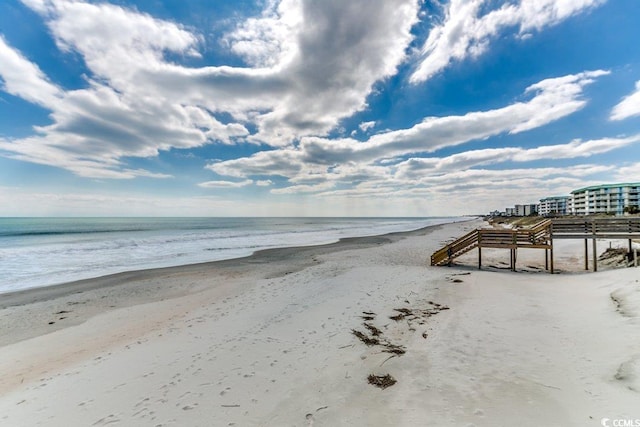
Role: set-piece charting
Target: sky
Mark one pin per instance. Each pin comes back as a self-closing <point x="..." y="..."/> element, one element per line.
<point x="313" y="108"/>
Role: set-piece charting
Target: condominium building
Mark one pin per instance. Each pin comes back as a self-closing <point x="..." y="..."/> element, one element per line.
<point x="556" y="205"/>
<point x="605" y="199"/>
<point x="525" y="210"/>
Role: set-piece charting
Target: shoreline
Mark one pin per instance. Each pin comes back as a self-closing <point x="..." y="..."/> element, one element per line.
<point x="95" y="296"/>
<point x="271" y="340"/>
<point x="165" y="243"/>
<point x="42" y="293"/>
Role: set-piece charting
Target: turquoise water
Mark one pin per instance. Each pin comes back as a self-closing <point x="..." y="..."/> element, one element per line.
<point x="45" y="251"/>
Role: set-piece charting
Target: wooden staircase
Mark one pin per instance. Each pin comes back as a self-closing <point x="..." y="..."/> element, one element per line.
<point x="537" y="236"/>
<point x="456" y="248"/>
<point x="541" y="236"/>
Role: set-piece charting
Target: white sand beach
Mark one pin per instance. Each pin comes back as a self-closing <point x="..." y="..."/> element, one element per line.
<point x="268" y="341"/>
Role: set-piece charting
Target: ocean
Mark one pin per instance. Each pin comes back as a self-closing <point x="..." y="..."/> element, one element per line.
<point x="37" y="252"/>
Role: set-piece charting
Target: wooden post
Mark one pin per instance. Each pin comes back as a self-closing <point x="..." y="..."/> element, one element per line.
<point x="595" y="255"/>
<point x="551" y="253"/>
<point x="479" y="249"/>
<point x="513" y="259"/>
<point x="586" y="254"/>
<point x="546" y="259"/>
<point x="551" y="246"/>
<point x="595" y="250"/>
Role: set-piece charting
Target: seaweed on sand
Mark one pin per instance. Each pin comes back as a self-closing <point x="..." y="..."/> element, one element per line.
<point x="374" y="331"/>
<point x="381" y="381"/>
<point x="364" y="338"/>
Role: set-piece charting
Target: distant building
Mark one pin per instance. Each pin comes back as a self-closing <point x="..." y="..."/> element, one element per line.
<point x="525" y="210"/>
<point x="605" y="199"/>
<point x="556" y="205"/>
<point x="509" y="211"/>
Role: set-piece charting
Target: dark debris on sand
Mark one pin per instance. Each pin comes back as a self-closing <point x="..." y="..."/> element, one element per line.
<point x="381" y="381"/>
<point x="417" y="314"/>
<point x="369" y="341"/>
<point x="373" y="336"/>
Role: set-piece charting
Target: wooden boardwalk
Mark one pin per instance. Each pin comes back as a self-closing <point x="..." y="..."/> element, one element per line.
<point x="541" y="236"/>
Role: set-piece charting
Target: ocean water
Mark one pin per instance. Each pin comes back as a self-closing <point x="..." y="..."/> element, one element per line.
<point x="38" y="252"/>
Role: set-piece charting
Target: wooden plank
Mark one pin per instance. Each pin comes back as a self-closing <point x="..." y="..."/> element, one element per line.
<point x="595" y="251"/>
<point x="546" y="259"/>
<point x="586" y="254"/>
<point x="551" y="254"/>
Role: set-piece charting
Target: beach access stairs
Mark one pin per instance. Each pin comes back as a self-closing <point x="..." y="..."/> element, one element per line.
<point x="541" y="236"/>
<point x="538" y="236"/>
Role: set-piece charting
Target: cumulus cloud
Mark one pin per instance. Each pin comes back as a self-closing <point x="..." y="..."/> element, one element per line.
<point x="269" y="40"/>
<point x="628" y="107"/>
<point x="309" y="65"/>
<point x="552" y="99"/>
<point x="418" y="167"/>
<point x="348" y="168"/>
<point x="95" y="127"/>
<point x="342" y="50"/>
<point x="22" y="78"/>
<point x="365" y="126"/>
<point x="467" y="30"/>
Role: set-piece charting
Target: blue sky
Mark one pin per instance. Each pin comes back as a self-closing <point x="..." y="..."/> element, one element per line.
<point x="313" y="108"/>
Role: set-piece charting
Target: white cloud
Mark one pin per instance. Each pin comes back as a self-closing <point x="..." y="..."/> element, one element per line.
<point x="269" y="41"/>
<point x="225" y="184"/>
<point x="553" y="99"/>
<point x="362" y="167"/>
<point x="628" y="107"/>
<point x="264" y="183"/>
<point x="467" y="31"/>
<point x="25" y="79"/>
<point x="342" y="49"/>
<point x="476" y="187"/>
<point x="365" y="126"/>
<point x="311" y="64"/>
<point x="304" y="188"/>
<point x="282" y="162"/>
<point x="628" y="173"/>
<point x="418" y="167"/>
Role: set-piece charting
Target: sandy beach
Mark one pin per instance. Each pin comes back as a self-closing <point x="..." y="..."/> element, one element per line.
<point x="292" y="337"/>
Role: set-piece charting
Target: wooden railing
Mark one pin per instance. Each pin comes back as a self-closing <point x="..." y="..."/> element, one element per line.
<point x="541" y="236"/>
<point x="455" y="249"/>
<point x="601" y="227"/>
<point x="534" y="237"/>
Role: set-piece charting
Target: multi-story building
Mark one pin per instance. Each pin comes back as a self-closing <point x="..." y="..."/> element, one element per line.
<point x="509" y="211"/>
<point x="605" y="199"/>
<point x="556" y="205"/>
<point x="525" y="210"/>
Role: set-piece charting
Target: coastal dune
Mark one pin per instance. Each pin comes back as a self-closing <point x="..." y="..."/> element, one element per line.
<point x="361" y="332"/>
